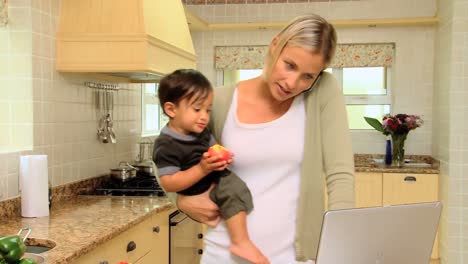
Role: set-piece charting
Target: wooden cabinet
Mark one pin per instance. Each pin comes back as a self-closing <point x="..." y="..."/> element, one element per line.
<point x="368" y="189"/>
<point x="145" y="243"/>
<point x="404" y="188"/>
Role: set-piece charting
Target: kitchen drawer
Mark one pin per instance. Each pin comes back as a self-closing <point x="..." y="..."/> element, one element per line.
<point x="115" y="250"/>
<point x="404" y="188"/>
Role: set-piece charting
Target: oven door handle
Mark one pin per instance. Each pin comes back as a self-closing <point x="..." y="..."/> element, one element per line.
<point x="174" y="223"/>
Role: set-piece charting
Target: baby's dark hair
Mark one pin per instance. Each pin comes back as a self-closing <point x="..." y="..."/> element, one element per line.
<point x="181" y="84"/>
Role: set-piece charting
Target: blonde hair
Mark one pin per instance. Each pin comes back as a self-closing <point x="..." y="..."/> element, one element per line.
<point x="310" y="32"/>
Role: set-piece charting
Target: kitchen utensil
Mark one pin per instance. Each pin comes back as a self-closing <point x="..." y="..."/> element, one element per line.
<point x="146" y="151"/>
<point x="27" y="233"/>
<point x="110" y="129"/>
<point x="124" y="172"/>
<point x="145" y="167"/>
<point x="103" y="133"/>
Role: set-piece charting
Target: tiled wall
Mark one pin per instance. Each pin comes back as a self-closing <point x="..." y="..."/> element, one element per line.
<point x="366" y="9"/>
<point x="451" y="128"/>
<point x="413" y="79"/>
<point x="64" y="117"/>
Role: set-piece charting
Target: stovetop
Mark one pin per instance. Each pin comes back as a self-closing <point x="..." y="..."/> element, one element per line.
<point x="142" y="185"/>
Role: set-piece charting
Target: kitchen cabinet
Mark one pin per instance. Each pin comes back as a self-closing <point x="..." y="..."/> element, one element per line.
<point x="145" y="243"/>
<point x="368" y="189"/>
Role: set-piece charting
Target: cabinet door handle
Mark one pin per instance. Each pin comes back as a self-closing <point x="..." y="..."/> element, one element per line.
<point x="410" y="178"/>
<point x="156" y="229"/>
<point x="200" y="251"/>
<point x="131" y="246"/>
<point x="200" y="235"/>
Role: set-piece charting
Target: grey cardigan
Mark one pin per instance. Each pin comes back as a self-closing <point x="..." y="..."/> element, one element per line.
<point x="328" y="158"/>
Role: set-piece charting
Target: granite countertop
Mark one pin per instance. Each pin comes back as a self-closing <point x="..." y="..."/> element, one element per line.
<point x="81" y="223"/>
<point x="422" y="164"/>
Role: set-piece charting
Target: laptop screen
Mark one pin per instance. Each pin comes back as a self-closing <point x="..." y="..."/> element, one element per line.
<point x="396" y="234"/>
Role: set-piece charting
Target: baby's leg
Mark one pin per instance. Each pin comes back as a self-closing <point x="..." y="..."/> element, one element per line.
<point x="241" y="245"/>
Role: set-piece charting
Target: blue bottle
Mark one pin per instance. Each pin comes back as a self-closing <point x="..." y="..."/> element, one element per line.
<point x="388" y="152"/>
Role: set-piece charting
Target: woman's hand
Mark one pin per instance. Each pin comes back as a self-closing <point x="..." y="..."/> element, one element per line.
<point x="200" y="207"/>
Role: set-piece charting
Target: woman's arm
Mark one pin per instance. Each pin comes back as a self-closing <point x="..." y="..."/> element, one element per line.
<point x="200" y="207"/>
<point x="337" y="150"/>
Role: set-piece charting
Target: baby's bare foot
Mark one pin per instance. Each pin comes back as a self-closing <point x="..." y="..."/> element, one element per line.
<point x="247" y="250"/>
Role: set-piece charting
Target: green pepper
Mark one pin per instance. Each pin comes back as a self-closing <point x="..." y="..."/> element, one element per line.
<point x="27" y="261"/>
<point x="12" y="248"/>
<point x="2" y="260"/>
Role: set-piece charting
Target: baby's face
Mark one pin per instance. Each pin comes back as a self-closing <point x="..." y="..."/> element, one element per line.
<point x="191" y="115"/>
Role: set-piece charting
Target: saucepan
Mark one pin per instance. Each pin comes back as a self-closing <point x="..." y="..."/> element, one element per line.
<point x="124" y="172"/>
<point x="144" y="167"/>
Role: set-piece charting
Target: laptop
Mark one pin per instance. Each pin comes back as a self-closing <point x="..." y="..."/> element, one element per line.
<point x="397" y="234"/>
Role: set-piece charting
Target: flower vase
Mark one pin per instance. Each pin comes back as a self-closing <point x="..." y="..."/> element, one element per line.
<point x="398" y="144"/>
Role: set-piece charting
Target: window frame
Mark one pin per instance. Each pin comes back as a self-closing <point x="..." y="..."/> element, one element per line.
<point x="145" y="100"/>
<point x="349" y="99"/>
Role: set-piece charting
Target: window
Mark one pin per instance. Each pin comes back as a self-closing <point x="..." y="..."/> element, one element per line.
<point x="152" y="117"/>
<point x="366" y="90"/>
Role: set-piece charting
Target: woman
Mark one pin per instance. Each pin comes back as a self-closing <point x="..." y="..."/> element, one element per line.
<point x="289" y="132"/>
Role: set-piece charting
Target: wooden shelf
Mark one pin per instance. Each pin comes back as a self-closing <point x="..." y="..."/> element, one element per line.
<point x="198" y="24"/>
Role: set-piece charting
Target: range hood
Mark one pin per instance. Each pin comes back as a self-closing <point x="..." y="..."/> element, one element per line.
<point x="134" y="40"/>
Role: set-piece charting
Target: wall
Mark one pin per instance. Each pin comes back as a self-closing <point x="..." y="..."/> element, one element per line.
<point x="413" y="82"/>
<point x="450" y="126"/>
<point x="64" y="121"/>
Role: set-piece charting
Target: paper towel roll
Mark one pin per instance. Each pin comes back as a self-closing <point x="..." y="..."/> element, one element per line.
<point x="34" y="186"/>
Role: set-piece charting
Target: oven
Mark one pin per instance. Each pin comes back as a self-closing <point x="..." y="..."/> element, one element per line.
<point x="185" y="239"/>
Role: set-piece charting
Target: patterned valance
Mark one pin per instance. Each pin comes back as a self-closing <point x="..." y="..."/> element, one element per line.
<point x="347" y="55"/>
<point x="240" y="57"/>
<point x="364" y="55"/>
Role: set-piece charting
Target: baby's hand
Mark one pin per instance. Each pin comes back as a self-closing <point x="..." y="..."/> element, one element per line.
<point x="213" y="163"/>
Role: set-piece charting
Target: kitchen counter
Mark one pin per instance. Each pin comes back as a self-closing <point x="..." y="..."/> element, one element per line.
<point x="421" y="164"/>
<point x="81" y="223"/>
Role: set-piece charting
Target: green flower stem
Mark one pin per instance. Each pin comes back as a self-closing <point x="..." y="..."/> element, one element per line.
<point x="398" y="144"/>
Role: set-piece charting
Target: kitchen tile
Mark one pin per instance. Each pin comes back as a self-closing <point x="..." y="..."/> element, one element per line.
<point x="45" y="6"/>
<point x="20" y="43"/>
<point x="19" y="66"/>
<point x="195" y="2"/>
<point x="12" y="184"/>
<point x="23" y="20"/>
<point x="22" y="111"/>
<point x="215" y="2"/>
<point x="5" y="136"/>
<point x="23" y="136"/>
<point x="5" y="113"/>
<point x="256" y="1"/>
<point x="236" y="1"/>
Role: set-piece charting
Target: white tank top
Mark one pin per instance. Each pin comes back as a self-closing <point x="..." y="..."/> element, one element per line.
<point x="267" y="156"/>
